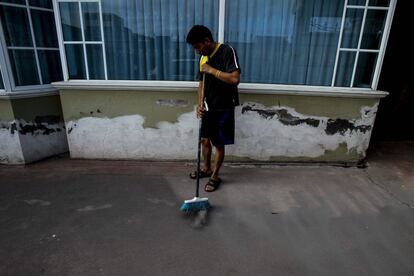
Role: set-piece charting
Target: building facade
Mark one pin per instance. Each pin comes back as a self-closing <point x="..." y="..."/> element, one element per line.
<point x="116" y="80"/>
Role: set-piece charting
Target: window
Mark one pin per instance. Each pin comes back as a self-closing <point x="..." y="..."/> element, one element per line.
<point x="83" y="39"/>
<point x="31" y="41"/>
<point x="133" y="40"/>
<point x="362" y="32"/>
<point x="285" y="42"/>
<point x="316" y="43"/>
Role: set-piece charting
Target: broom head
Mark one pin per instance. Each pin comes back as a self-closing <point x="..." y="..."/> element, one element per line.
<point x="196" y="204"/>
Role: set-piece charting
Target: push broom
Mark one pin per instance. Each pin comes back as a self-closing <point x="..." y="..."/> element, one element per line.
<point x="197" y="203"/>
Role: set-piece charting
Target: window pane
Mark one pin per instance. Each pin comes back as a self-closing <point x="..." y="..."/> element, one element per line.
<point x="15" y="26"/>
<point x="95" y="61"/>
<point x="69" y="14"/>
<point x="76" y="61"/>
<point x="145" y="40"/>
<point x="373" y="30"/>
<point x="92" y="27"/>
<point x="50" y="65"/>
<point x="357" y="2"/>
<point x="285" y="42"/>
<point x="41" y="3"/>
<point x="352" y="28"/>
<point x="24" y="67"/>
<point x="346" y="63"/>
<point x="381" y="3"/>
<point x="44" y="28"/>
<point x="365" y="69"/>
<point x="21" y="2"/>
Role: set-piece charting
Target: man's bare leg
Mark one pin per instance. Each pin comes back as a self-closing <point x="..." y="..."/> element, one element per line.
<point x="218" y="161"/>
<point x="207" y="149"/>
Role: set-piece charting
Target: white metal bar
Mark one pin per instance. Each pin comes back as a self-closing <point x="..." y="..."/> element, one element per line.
<point x="103" y="40"/>
<point x="58" y="25"/>
<point x="360" y="50"/>
<point x="355" y="7"/>
<point x="8" y="79"/>
<point x="384" y="41"/>
<point x="222" y="21"/>
<point x="361" y="34"/>
<point x="24" y="6"/>
<point x="30" y="48"/>
<point x="369" y="7"/>
<point x="339" y="44"/>
<point x="83" y="40"/>
<point x="39" y="72"/>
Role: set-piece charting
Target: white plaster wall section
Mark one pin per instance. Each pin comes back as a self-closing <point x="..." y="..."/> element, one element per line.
<point x="261" y="133"/>
<point x="10" y="149"/>
<point x="23" y="142"/>
<point x="125" y="137"/>
<point x="45" y="142"/>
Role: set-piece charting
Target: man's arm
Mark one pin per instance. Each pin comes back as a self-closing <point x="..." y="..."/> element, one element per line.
<point x="199" y="100"/>
<point x="230" y="78"/>
<point x="200" y="105"/>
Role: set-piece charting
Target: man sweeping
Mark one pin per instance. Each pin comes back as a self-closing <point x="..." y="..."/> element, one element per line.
<point x="217" y="98"/>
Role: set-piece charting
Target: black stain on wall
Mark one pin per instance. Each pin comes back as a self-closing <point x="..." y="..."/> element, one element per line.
<point x="41" y="125"/>
<point x="342" y="126"/>
<point x="333" y="126"/>
<point x="9" y="126"/>
<point x="283" y="116"/>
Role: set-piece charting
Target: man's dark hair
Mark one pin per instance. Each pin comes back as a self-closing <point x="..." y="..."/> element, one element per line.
<point x="198" y="34"/>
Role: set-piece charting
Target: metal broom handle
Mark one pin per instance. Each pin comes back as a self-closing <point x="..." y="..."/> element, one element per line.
<point x="199" y="139"/>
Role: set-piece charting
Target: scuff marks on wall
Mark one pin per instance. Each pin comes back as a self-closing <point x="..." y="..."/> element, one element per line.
<point x="262" y="133"/>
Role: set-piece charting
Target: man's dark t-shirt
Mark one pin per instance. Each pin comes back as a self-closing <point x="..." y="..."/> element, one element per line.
<point x="218" y="94"/>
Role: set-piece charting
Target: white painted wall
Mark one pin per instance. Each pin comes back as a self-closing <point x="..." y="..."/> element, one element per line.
<point x="18" y="148"/>
<point x="256" y="137"/>
<point x="10" y="149"/>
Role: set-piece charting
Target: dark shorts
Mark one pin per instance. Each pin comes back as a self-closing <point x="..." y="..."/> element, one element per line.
<point x="218" y="126"/>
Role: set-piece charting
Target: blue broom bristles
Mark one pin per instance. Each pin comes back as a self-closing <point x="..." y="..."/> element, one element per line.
<point x="195" y="206"/>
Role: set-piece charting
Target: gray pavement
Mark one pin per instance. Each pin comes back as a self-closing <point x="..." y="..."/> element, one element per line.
<point x="89" y="217"/>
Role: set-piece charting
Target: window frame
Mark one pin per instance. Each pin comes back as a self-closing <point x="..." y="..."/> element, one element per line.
<point x="8" y="78"/>
<point x="82" y="42"/>
<point x="221" y="29"/>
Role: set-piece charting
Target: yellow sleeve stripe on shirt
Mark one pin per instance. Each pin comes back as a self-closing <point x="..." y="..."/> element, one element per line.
<point x="204" y="59"/>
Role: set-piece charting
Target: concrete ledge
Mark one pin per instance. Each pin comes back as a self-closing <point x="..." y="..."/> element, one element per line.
<point x="29" y="93"/>
<point x="248" y="88"/>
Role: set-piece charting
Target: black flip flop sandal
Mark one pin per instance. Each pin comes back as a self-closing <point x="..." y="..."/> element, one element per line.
<point x="202" y="174"/>
<point x="213" y="183"/>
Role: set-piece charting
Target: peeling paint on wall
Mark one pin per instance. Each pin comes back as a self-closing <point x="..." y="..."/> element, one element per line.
<point x="261" y="133"/>
<point x="265" y="132"/>
<point x="172" y="103"/>
<point x="22" y="141"/>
